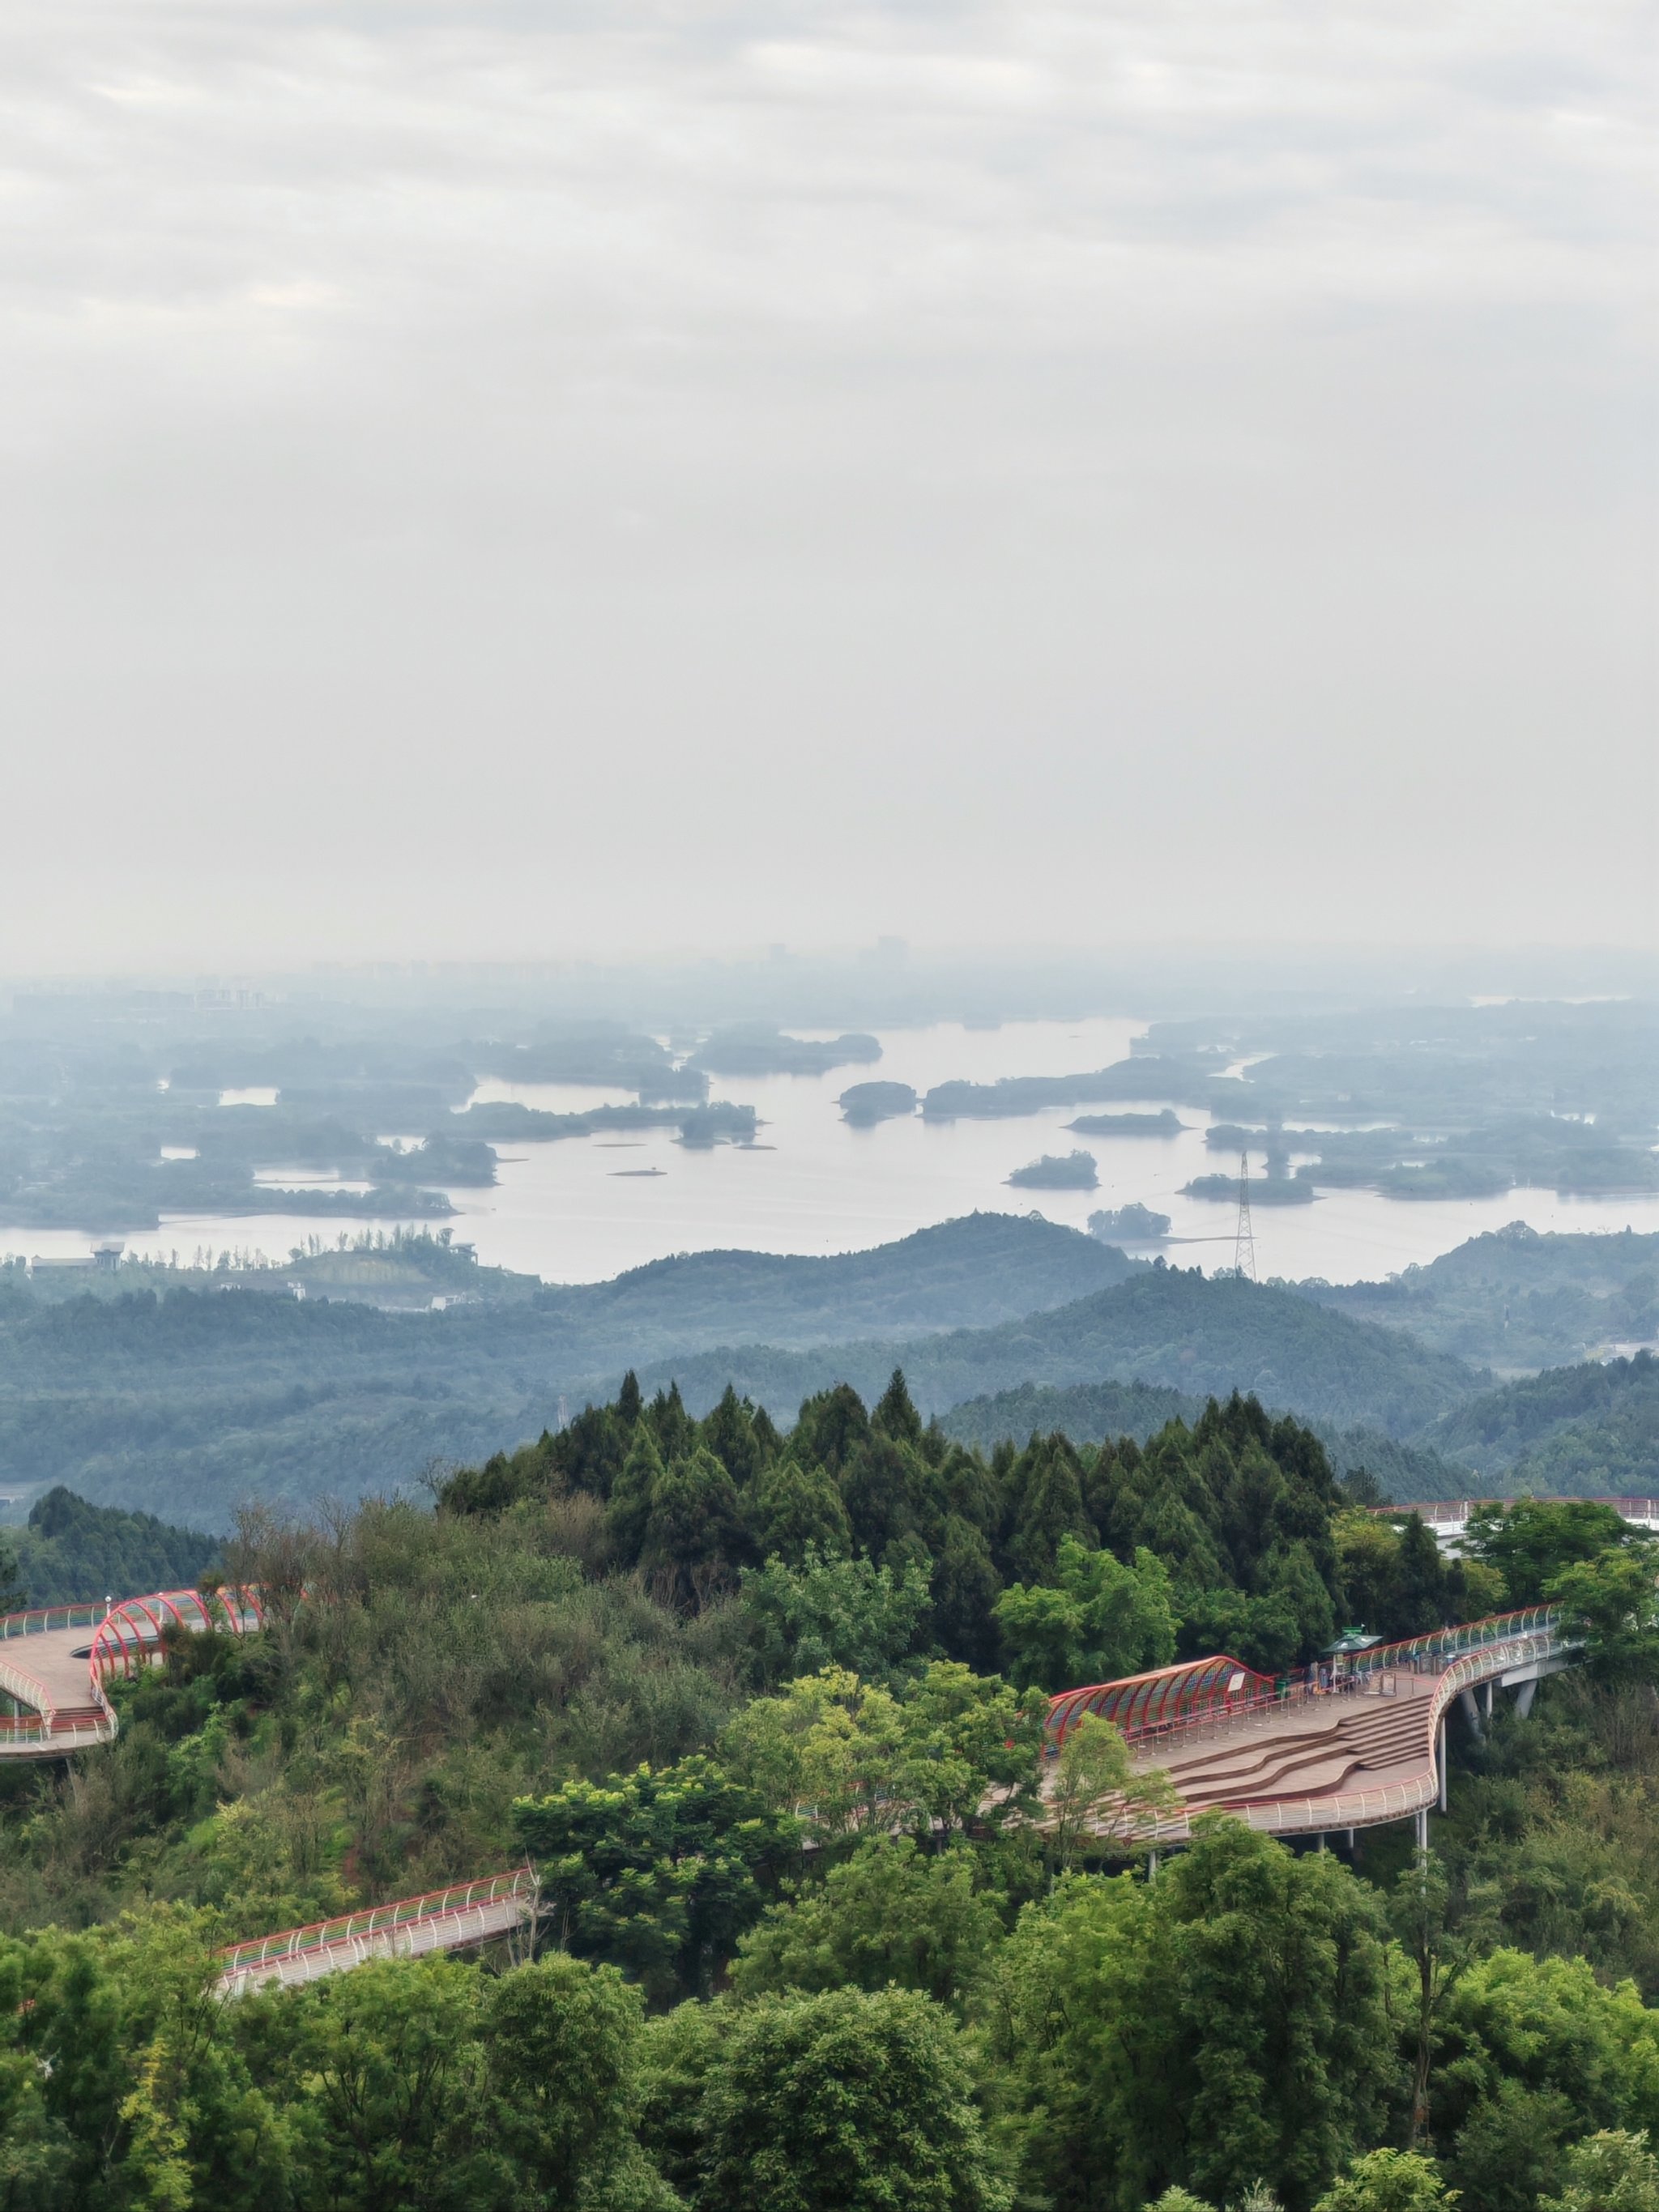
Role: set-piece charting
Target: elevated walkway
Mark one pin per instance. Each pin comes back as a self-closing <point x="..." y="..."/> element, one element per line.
<point x="1448" y="1518"/>
<point x="1310" y="1754"/>
<point x="56" y="1660"/>
<point x="452" y="1919"/>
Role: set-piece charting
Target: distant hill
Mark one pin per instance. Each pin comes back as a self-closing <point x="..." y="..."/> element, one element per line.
<point x="69" y="1553"/>
<point x="1589" y="1431"/>
<point x="187" y="1402"/>
<point x="968" y="1274"/>
<point x="1163" y="1327"/>
<point x="1515" y="1300"/>
<point x="1090" y="1411"/>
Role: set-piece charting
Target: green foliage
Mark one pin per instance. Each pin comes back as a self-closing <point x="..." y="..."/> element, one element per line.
<point x="1095" y="1798"/>
<point x="1388" y="2181"/>
<point x="1099" y="1621"/>
<point x="559" y="1660"/>
<point x="659" y="1873"/>
<point x="1532" y="1540"/>
<point x="1395" y="1578"/>
<point x="943" y="1749"/>
<point x="1612" y="2171"/>
<point x="833" y="1612"/>
<point x="892" y="1913"/>
<point x="1530" y="2053"/>
<point x="1223" y="2025"/>
<point x="847" y="2101"/>
<point x="1612" y="1602"/>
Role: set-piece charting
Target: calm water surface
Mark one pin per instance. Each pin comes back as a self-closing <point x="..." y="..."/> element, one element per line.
<point x="577" y="1210"/>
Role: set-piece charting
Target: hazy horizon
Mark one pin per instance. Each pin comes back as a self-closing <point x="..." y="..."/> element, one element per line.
<point x="489" y="484"/>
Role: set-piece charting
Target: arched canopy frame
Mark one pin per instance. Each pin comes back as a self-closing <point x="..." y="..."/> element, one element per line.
<point x="1143" y="1705"/>
<point x="129" y="1635"/>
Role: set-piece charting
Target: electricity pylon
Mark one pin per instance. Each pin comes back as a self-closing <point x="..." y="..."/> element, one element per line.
<point x="1244" y="1248"/>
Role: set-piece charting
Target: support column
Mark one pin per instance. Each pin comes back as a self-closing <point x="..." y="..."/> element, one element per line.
<point x="1485" y="1698"/>
<point x="1151" y="1866"/>
<point x="1422" y="1827"/>
<point x="1471" y="1712"/>
<point x="1351" y="1843"/>
<point x="1442" y="1762"/>
<point x="1523" y="1698"/>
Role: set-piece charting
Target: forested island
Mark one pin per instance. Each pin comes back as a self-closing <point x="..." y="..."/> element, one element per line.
<point x="1167" y="1123"/>
<point x="1074" y="1170"/>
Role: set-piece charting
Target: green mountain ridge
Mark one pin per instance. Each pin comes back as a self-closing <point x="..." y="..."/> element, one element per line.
<point x="1203" y="1336"/>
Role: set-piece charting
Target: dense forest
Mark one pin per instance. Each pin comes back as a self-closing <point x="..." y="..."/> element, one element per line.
<point x="678" y="1662"/>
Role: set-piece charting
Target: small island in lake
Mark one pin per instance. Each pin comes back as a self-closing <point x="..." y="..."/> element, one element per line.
<point x="1138" y="1223"/>
<point x="1073" y="1171"/>
<point x="866" y="1104"/>
<point x="1275" y="1191"/>
<point x="1169" y="1123"/>
<point x="752" y="1049"/>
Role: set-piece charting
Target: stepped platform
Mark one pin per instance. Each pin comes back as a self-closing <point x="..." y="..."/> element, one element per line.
<point x="1316" y="1748"/>
<point x="1321" y="1749"/>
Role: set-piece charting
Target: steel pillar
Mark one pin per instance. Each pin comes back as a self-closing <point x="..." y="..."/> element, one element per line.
<point x="1523" y="1698"/>
<point x="1471" y="1712"/>
<point x="1422" y="1827"/>
<point x="1442" y="1762"/>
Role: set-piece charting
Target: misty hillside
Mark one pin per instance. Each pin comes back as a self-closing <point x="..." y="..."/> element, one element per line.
<point x="968" y="1274"/>
<point x="1591" y="1430"/>
<point x="1516" y="1300"/>
<point x="1182" y="1331"/>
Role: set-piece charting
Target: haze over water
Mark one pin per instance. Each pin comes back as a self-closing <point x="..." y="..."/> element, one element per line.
<point x="580" y="1210"/>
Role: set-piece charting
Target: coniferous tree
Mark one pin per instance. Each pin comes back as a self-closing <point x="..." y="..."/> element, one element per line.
<point x="895" y="1414"/>
<point x="795" y="1505"/>
<point x="634" y="1493"/>
<point x="694" y="1540"/>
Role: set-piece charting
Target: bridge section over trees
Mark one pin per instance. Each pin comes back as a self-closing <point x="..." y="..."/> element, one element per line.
<point x="452" y="1919"/>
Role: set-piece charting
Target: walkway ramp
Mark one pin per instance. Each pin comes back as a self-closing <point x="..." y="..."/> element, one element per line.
<point x="452" y="1919"/>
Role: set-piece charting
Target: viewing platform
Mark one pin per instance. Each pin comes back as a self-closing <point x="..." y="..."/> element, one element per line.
<point x="1334" y="1747"/>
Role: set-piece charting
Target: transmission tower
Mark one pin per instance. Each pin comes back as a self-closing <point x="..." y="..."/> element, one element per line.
<point x="1244" y="1248"/>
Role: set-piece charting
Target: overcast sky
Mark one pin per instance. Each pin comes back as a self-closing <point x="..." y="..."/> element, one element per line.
<point x="514" y="479"/>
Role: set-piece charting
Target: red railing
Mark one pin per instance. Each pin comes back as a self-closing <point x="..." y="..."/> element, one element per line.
<point x="129" y="1634"/>
<point x="125" y="1637"/>
<point x="1366" y="1808"/>
<point x="1362" y="1671"/>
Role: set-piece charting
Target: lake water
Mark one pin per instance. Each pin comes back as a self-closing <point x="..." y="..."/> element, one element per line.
<point x="578" y="1211"/>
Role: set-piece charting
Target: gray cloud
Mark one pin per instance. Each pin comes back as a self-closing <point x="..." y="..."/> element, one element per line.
<point x="489" y="478"/>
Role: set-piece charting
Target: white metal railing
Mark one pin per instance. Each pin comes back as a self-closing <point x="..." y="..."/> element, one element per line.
<point x="39" y="1729"/>
<point x="40" y="1620"/>
<point x="464" y="1912"/>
